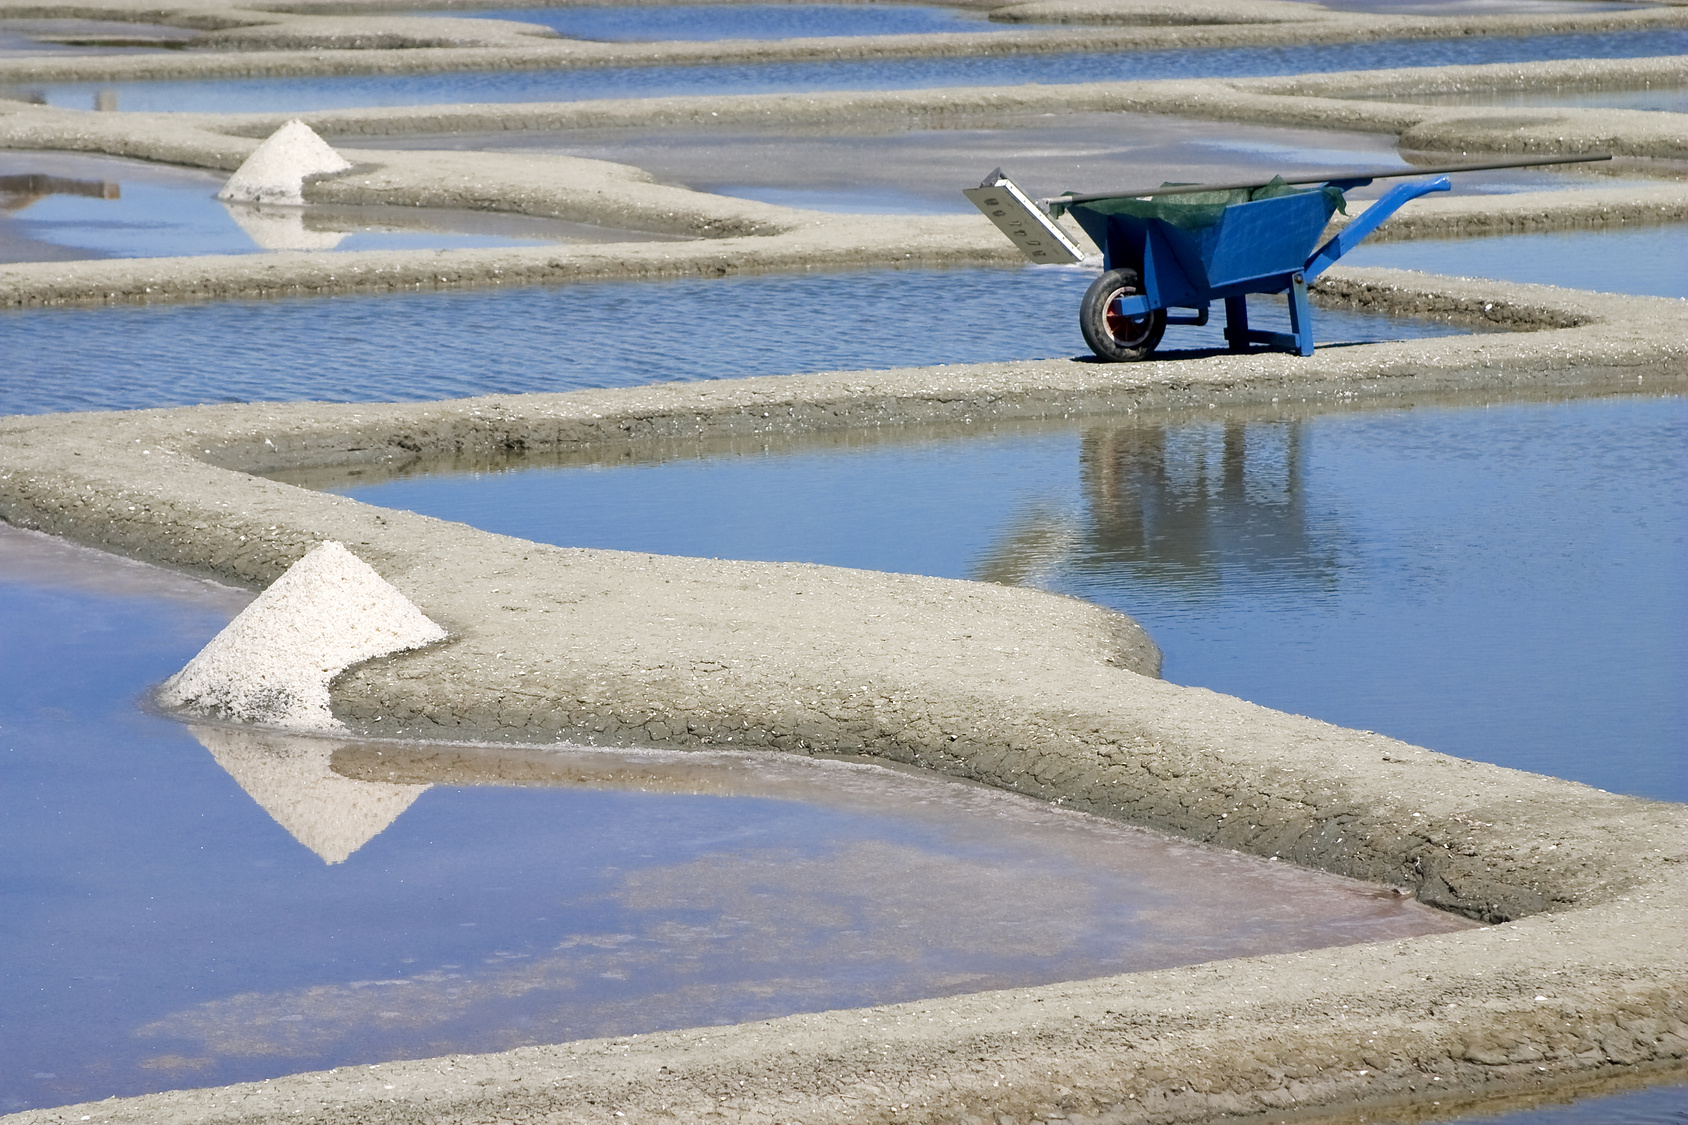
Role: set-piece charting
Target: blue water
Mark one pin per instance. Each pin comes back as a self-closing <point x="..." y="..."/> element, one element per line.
<point x="443" y="345"/>
<point x="151" y="210"/>
<point x="738" y="21"/>
<point x="161" y="220"/>
<point x="1643" y="260"/>
<point x="163" y="928"/>
<point x="267" y="95"/>
<point x="1661" y="1105"/>
<point x="1505" y="583"/>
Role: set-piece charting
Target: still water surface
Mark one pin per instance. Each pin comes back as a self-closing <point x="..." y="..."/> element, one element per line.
<point x="196" y="906"/>
<point x="1504" y="583"/>
<point x="1661" y="1105"/>
<point x="444" y="345"/>
<point x="62" y="207"/>
<point x="268" y="95"/>
<point x="1644" y="261"/>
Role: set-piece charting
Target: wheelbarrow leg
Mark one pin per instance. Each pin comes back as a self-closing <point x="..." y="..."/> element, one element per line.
<point x="1300" y="315"/>
<point x="1236" y="323"/>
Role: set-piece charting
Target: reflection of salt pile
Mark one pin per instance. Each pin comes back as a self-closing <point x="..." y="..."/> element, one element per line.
<point x="281" y="228"/>
<point x="291" y="780"/>
<point x="276" y="170"/>
<point x="273" y="663"/>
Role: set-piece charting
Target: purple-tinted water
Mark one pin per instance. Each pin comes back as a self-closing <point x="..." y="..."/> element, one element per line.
<point x="188" y="907"/>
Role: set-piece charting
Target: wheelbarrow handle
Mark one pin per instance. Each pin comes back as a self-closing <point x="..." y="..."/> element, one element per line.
<point x="1368" y="220"/>
<point x="1341" y="179"/>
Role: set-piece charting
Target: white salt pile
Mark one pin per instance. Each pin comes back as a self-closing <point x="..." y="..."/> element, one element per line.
<point x="276" y="170"/>
<point x="273" y="664"/>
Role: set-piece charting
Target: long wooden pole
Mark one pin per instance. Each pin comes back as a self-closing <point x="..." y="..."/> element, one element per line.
<point x="1330" y="177"/>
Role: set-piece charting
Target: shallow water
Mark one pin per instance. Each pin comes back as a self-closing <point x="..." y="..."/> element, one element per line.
<point x="443" y="345"/>
<point x="1645" y="261"/>
<point x="1505" y="583"/>
<point x="671" y="22"/>
<point x="195" y="907"/>
<point x="106" y="207"/>
<point x="924" y="170"/>
<point x="268" y="95"/>
<point x="1661" y="1105"/>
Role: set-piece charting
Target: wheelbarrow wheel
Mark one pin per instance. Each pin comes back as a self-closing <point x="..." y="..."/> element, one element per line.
<point x="1111" y="334"/>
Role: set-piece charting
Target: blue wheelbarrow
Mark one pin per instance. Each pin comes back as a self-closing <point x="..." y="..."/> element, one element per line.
<point x="1185" y="246"/>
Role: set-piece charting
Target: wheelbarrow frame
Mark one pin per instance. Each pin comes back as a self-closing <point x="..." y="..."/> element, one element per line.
<point x="1256" y="248"/>
<point x="1152" y="265"/>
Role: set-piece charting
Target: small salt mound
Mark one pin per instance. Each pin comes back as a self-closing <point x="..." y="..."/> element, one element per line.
<point x="276" y="170"/>
<point x="273" y="664"/>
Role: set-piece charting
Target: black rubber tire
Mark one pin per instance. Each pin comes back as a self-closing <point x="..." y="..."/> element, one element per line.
<point x="1116" y="338"/>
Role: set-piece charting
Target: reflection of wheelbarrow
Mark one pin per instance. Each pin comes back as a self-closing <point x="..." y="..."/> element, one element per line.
<point x="1186" y="246"/>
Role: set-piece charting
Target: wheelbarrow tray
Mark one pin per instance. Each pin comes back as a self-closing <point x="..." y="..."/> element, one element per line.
<point x="1162" y="253"/>
<point x="1192" y="245"/>
<point x="1191" y="253"/>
